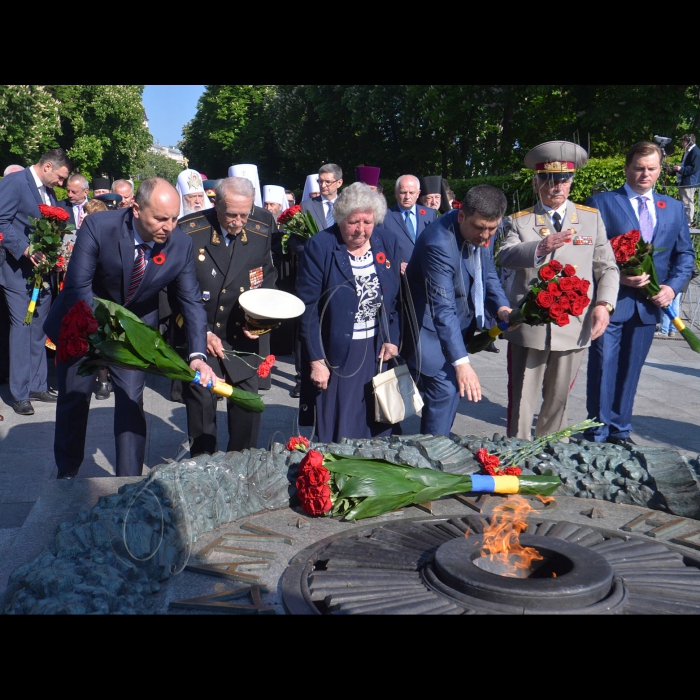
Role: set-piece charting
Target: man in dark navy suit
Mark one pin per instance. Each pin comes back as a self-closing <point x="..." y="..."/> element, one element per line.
<point x="102" y="265"/>
<point x="77" y="188"/>
<point x="21" y="193"/>
<point x="453" y="278"/>
<point x="406" y="219"/>
<point x="616" y="358"/>
<point x="688" y="174"/>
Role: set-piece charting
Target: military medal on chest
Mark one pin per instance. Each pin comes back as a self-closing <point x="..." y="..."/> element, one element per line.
<point x="200" y="257"/>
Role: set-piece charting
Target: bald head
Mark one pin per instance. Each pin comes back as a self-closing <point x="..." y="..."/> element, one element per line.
<point x="407" y="191"/>
<point x="156" y="210"/>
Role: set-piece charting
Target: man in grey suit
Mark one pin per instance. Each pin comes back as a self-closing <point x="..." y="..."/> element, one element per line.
<point x="407" y="219"/>
<point x="77" y="188"/>
<point x="330" y="179"/>
<point x="21" y="193"/>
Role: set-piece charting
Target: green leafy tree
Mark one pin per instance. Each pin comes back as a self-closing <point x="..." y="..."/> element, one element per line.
<point x="159" y="165"/>
<point x="103" y="128"/>
<point x="29" y="123"/>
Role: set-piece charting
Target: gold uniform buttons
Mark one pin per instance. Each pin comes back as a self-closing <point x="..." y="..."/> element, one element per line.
<point x="223" y="291"/>
<point x="240" y="289"/>
<point x="221" y="308"/>
<point x="218" y="325"/>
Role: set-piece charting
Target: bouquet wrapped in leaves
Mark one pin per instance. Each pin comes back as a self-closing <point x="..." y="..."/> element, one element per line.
<point x="635" y="257"/>
<point x="113" y="336"/>
<point x="46" y="237"/>
<point x="358" y="487"/>
<point x="553" y="297"/>
<point x="298" y="222"/>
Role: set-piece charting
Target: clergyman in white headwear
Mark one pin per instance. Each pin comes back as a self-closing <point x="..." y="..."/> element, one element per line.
<point x="250" y="172"/>
<point x="275" y="199"/>
<point x="191" y="190"/>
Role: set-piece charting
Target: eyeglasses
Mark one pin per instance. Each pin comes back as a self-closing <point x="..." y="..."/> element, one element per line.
<point x="326" y="182"/>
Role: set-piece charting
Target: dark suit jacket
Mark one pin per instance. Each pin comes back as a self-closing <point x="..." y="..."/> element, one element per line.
<point x="690" y="172"/>
<point x="223" y="277"/>
<point x="441" y="292"/>
<point x="396" y="223"/>
<point x="674" y="264"/>
<point x="19" y="199"/>
<point x="315" y="207"/>
<point x="101" y="266"/>
<point x="326" y="285"/>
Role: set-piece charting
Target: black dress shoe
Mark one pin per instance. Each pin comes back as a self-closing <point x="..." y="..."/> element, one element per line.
<point x="103" y="392"/>
<point x="67" y="475"/>
<point x="45" y="396"/>
<point x="627" y="442"/>
<point x="492" y="348"/>
<point x="23" y="408"/>
<point x="295" y="393"/>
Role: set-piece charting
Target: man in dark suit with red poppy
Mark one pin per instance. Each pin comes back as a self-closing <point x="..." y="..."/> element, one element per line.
<point x="406" y="219"/>
<point x="21" y="193"/>
<point x="616" y="359"/>
<point x="108" y="250"/>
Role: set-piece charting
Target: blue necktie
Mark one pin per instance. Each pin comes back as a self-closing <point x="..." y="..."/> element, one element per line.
<point x="646" y="225"/>
<point x="409" y="225"/>
<point x="478" y="287"/>
<point x="330" y="220"/>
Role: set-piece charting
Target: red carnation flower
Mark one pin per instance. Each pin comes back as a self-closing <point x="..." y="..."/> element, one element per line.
<point x="513" y="471"/>
<point x="159" y="259"/>
<point x="546" y="273"/>
<point x="298" y="442"/>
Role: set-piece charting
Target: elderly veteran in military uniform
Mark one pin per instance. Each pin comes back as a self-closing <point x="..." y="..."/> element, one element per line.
<point x="232" y="255"/>
<point x="543" y="360"/>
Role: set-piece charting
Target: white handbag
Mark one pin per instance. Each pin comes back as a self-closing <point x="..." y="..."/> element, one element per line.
<point x="396" y="395"/>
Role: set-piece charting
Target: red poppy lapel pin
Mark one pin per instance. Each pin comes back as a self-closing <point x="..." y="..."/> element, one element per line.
<point x="661" y="204"/>
<point x="159" y="259"/>
<point x="421" y="212"/>
<point x="381" y="259"/>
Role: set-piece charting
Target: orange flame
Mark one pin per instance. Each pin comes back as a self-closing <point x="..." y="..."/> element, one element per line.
<point x="502" y="538"/>
<point x="545" y="499"/>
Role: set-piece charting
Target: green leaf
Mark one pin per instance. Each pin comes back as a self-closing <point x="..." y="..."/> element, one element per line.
<point x="247" y="400"/>
<point x="376" y="506"/>
<point x="543" y="485"/>
<point x="116" y="351"/>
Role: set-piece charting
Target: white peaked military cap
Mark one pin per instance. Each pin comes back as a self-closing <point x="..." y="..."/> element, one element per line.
<point x="249" y="172"/>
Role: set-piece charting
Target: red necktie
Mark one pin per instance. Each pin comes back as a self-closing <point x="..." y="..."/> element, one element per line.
<point x="138" y="273"/>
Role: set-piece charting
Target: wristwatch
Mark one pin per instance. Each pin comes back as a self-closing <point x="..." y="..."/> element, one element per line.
<point x="608" y="306"/>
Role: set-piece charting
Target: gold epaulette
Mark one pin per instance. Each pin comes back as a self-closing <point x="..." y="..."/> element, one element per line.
<point x="581" y="206"/>
<point x="522" y="213"/>
<point x="259" y="227"/>
<point x="198" y="223"/>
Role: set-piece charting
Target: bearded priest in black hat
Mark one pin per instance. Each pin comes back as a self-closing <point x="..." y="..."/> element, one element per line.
<point x="543" y="360"/>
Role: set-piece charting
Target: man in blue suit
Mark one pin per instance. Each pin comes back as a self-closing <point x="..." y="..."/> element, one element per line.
<point x="407" y="219"/>
<point x="21" y="193"/>
<point x="616" y="358"/>
<point x="452" y="278"/>
<point x="688" y="174"/>
<point x="104" y="259"/>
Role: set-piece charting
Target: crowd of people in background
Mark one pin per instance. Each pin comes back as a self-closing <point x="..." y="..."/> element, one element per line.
<point x="412" y="281"/>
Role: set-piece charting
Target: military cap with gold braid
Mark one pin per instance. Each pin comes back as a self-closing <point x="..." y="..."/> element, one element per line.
<point x="556" y="160"/>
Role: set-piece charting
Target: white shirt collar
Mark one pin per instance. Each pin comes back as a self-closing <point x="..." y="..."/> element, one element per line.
<point x="633" y="195"/>
<point x="40" y="185"/>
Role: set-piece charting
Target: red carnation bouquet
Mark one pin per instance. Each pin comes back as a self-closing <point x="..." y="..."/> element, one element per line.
<point x="492" y="464"/>
<point x="46" y="237"/>
<point x="553" y="297"/>
<point x="297" y="221"/>
<point x="112" y="336"/>
<point x="263" y="369"/>
<point x="359" y="487"/>
<point x="635" y="257"/>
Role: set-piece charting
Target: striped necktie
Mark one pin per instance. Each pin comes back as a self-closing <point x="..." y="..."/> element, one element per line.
<point x="139" y="271"/>
<point x="646" y="225"/>
<point x="330" y="220"/>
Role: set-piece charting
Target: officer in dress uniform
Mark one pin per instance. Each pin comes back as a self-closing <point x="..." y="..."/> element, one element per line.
<point x="543" y="360"/>
<point x="232" y="255"/>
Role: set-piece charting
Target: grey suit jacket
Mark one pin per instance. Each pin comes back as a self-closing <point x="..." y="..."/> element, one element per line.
<point x="315" y="207"/>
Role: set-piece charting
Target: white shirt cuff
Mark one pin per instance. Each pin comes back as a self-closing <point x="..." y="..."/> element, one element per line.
<point x="462" y="361"/>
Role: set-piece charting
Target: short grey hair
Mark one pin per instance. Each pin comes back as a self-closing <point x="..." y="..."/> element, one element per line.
<point x="333" y="169"/>
<point x="241" y="186"/>
<point x="122" y="182"/>
<point x="143" y="195"/>
<point x="398" y="180"/>
<point x="80" y="180"/>
<point x="485" y="200"/>
<point x="12" y="169"/>
<point x="359" y="197"/>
